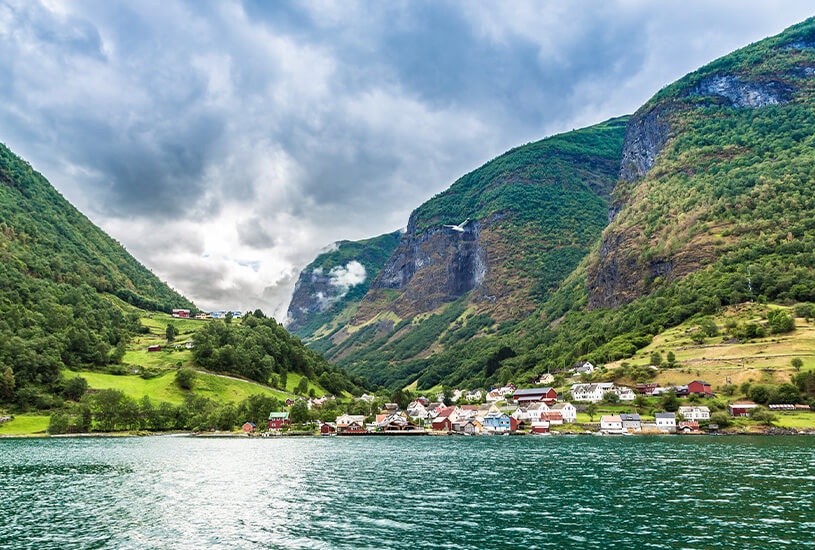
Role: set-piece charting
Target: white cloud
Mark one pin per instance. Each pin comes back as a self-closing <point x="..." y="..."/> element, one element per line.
<point x="344" y="277"/>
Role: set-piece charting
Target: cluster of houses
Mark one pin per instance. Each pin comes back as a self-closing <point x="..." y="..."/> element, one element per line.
<point x="664" y="422"/>
<point x="210" y="315"/>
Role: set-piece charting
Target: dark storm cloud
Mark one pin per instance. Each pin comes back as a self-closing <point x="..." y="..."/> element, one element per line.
<point x="247" y="135"/>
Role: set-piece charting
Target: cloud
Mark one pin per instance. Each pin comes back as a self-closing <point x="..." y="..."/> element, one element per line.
<point x="344" y="277"/>
<point x="226" y="143"/>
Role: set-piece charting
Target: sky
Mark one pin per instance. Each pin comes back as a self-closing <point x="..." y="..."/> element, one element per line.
<point x="226" y="143"/>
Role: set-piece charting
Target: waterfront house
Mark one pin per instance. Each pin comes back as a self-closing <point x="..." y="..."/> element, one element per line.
<point x="345" y="419"/>
<point x="442" y="424"/>
<point x="540" y="427"/>
<point x="741" y="408"/>
<point x="697" y="387"/>
<point x="631" y="422"/>
<point x="417" y="410"/>
<point x="666" y="422"/>
<point x="695" y="413"/>
<point x="469" y="426"/>
<point x="500" y="423"/>
<point x="328" y="428"/>
<point x="611" y="424"/>
<point x="687" y="426"/>
<point x="248" y="427"/>
<point x="553" y="417"/>
<point x="546" y="395"/>
<point x="277" y="420"/>
<point x="566" y="410"/>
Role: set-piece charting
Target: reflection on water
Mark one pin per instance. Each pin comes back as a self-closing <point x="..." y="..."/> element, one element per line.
<point x="516" y="492"/>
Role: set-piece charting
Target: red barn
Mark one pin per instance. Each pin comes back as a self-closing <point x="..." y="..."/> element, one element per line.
<point x="248" y="427"/>
<point x="547" y="395"/>
<point x="327" y="429"/>
<point x="181" y="313"/>
<point x="741" y="408"/>
<point x="697" y="387"/>
<point x="153" y="348"/>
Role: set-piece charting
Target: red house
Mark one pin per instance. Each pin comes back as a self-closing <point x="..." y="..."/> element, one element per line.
<point x="278" y="419"/>
<point x="248" y="427"/>
<point x="442" y="424"/>
<point x="547" y="395"/>
<point x="153" y="348"/>
<point x="698" y="387"/>
<point x="327" y="429"/>
<point x="647" y="388"/>
<point x="181" y="313"/>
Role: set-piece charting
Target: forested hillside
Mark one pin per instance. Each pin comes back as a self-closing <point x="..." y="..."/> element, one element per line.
<point x="73" y="298"/>
<point x="711" y="205"/>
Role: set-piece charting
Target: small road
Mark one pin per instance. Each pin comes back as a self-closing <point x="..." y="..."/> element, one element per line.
<point x="238" y="378"/>
<point x="686" y="361"/>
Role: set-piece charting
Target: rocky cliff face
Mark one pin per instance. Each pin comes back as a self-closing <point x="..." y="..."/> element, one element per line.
<point x="618" y="274"/>
<point x="436" y="266"/>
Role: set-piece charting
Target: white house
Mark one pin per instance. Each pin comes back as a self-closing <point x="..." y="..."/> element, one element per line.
<point x="591" y="392"/>
<point x="474" y="395"/>
<point x="567" y="410"/>
<point x="509" y="389"/>
<point x="625" y="394"/>
<point x="666" y="422"/>
<point x="531" y="412"/>
<point x="584" y="368"/>
<point x="417" y="410"/>
<point x="347" y="419"/>
<point x="494" y="397"/>
<point x="545" y="378"/>
<point x="611" y="424"/>
<point x="631" y="422"/>
<point x="695" y="413"/>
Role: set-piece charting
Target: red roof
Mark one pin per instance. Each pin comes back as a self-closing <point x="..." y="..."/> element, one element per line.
<point x="447" y="411"/>
<point x="469" y="407"/>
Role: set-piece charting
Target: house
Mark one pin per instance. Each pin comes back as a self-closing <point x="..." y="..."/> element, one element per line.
<point x="390" y="407"/>
<point x="646" y="388"/>
<point x="417" y="410"/>
<point x="547" y="395"/>
<point x="423" y="400"/>
<point x="583" y="367"/>
<point x="566" y="410"/>
<point x="399" y="424"/>
<point x="540" y="427"/>
<point x="741" y="408"/>
<point x="468" y="411"/>
<point x="494" y="397"/>
<point x="591" y="392"/>
<point x="203" y="317"/>
<point x="545" y="378"/>
<point x="345" y="419"/>
<point x="189" y="344"/>
<point x="469" y="426"/>
<point x="474" y="395"/>
<point x="782" y="407"/>
<point x="289" y="402"/>
<point x="181" y="313"/>
<point x="803" y="408"/>
<point x="611" y="424"/>
<point x="153" y="348"/>
<point x="666" y="422"/>
<point x="328" y="428"/>
<point x="687" y="426"/>
<point x="695" y="413"/>
<point x="554" y="418"/>
<point x="456" y="395"/>
<point x="248" y="427"/>
<point x="277" y="420"/>
<point x="352" y="428"/>
<point x="488" y="408"/>
<point x="442" y="424"/>
<point x="530" y="413"/>
<point x="631" y="422"/>
<point x="367" y="398"/>
<point x="500" y="423"/>
<point x="697" y="387"/>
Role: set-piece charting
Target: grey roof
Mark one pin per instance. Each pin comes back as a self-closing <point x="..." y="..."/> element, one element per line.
<point x="532" y="391"/>
<point x="628" y="417"/>
<point x="665" y="415"/>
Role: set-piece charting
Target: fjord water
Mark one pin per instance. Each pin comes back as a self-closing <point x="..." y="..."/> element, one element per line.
<point x="450" y="492"/>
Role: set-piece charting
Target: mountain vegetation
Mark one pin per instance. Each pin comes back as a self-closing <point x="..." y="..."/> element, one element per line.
<point x="709" y="205"/>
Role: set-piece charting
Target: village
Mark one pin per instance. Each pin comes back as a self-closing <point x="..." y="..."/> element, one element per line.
<point x="599" y="408"/>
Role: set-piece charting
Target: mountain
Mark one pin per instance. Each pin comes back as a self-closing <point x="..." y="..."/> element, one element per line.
<point x="587" y="244"/>
<point x="73" y="298"/>
<point x="329" y="288"/>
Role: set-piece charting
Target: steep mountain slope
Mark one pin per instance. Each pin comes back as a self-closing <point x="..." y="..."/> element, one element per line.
<point x="489" y="249"/>
<point x="70" y="297"/>
<point x="331" y="286"/>
<point x="712" y="206"/>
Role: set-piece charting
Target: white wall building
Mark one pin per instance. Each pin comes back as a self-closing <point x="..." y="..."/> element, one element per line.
<point x="695" y="413"/>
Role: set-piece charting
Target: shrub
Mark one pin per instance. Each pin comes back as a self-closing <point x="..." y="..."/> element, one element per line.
<point x="721" y="419"/>
<point x="185" y="378"/>
<point x="75" y="388"/>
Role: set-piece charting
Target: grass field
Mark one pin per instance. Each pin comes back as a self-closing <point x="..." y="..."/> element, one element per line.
<point x="164" y="388"/>
<point x="721" y="360"/>
<point x="158" y="359"/>
<point x="25" y="424"/>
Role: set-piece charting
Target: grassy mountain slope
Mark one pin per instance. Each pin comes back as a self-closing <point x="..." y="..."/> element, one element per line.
<point x="483" y="254"/>
<point x="321" y="301"/>
<point x="72" y="300"/>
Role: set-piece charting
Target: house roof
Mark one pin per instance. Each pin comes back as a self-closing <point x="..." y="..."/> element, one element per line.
<point x="743" y="404"/>
<point x="561" y="406"/>
<point x="278" y="416"/>
<point x="610" y="418"/>
<point x="700" y="382"/>
<point x="665" y="415"/>
<point x="531" y="391"/>
<point x="630" y="417"/>
<point x="447" y="411"/>
<point x="250" y="423"/>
